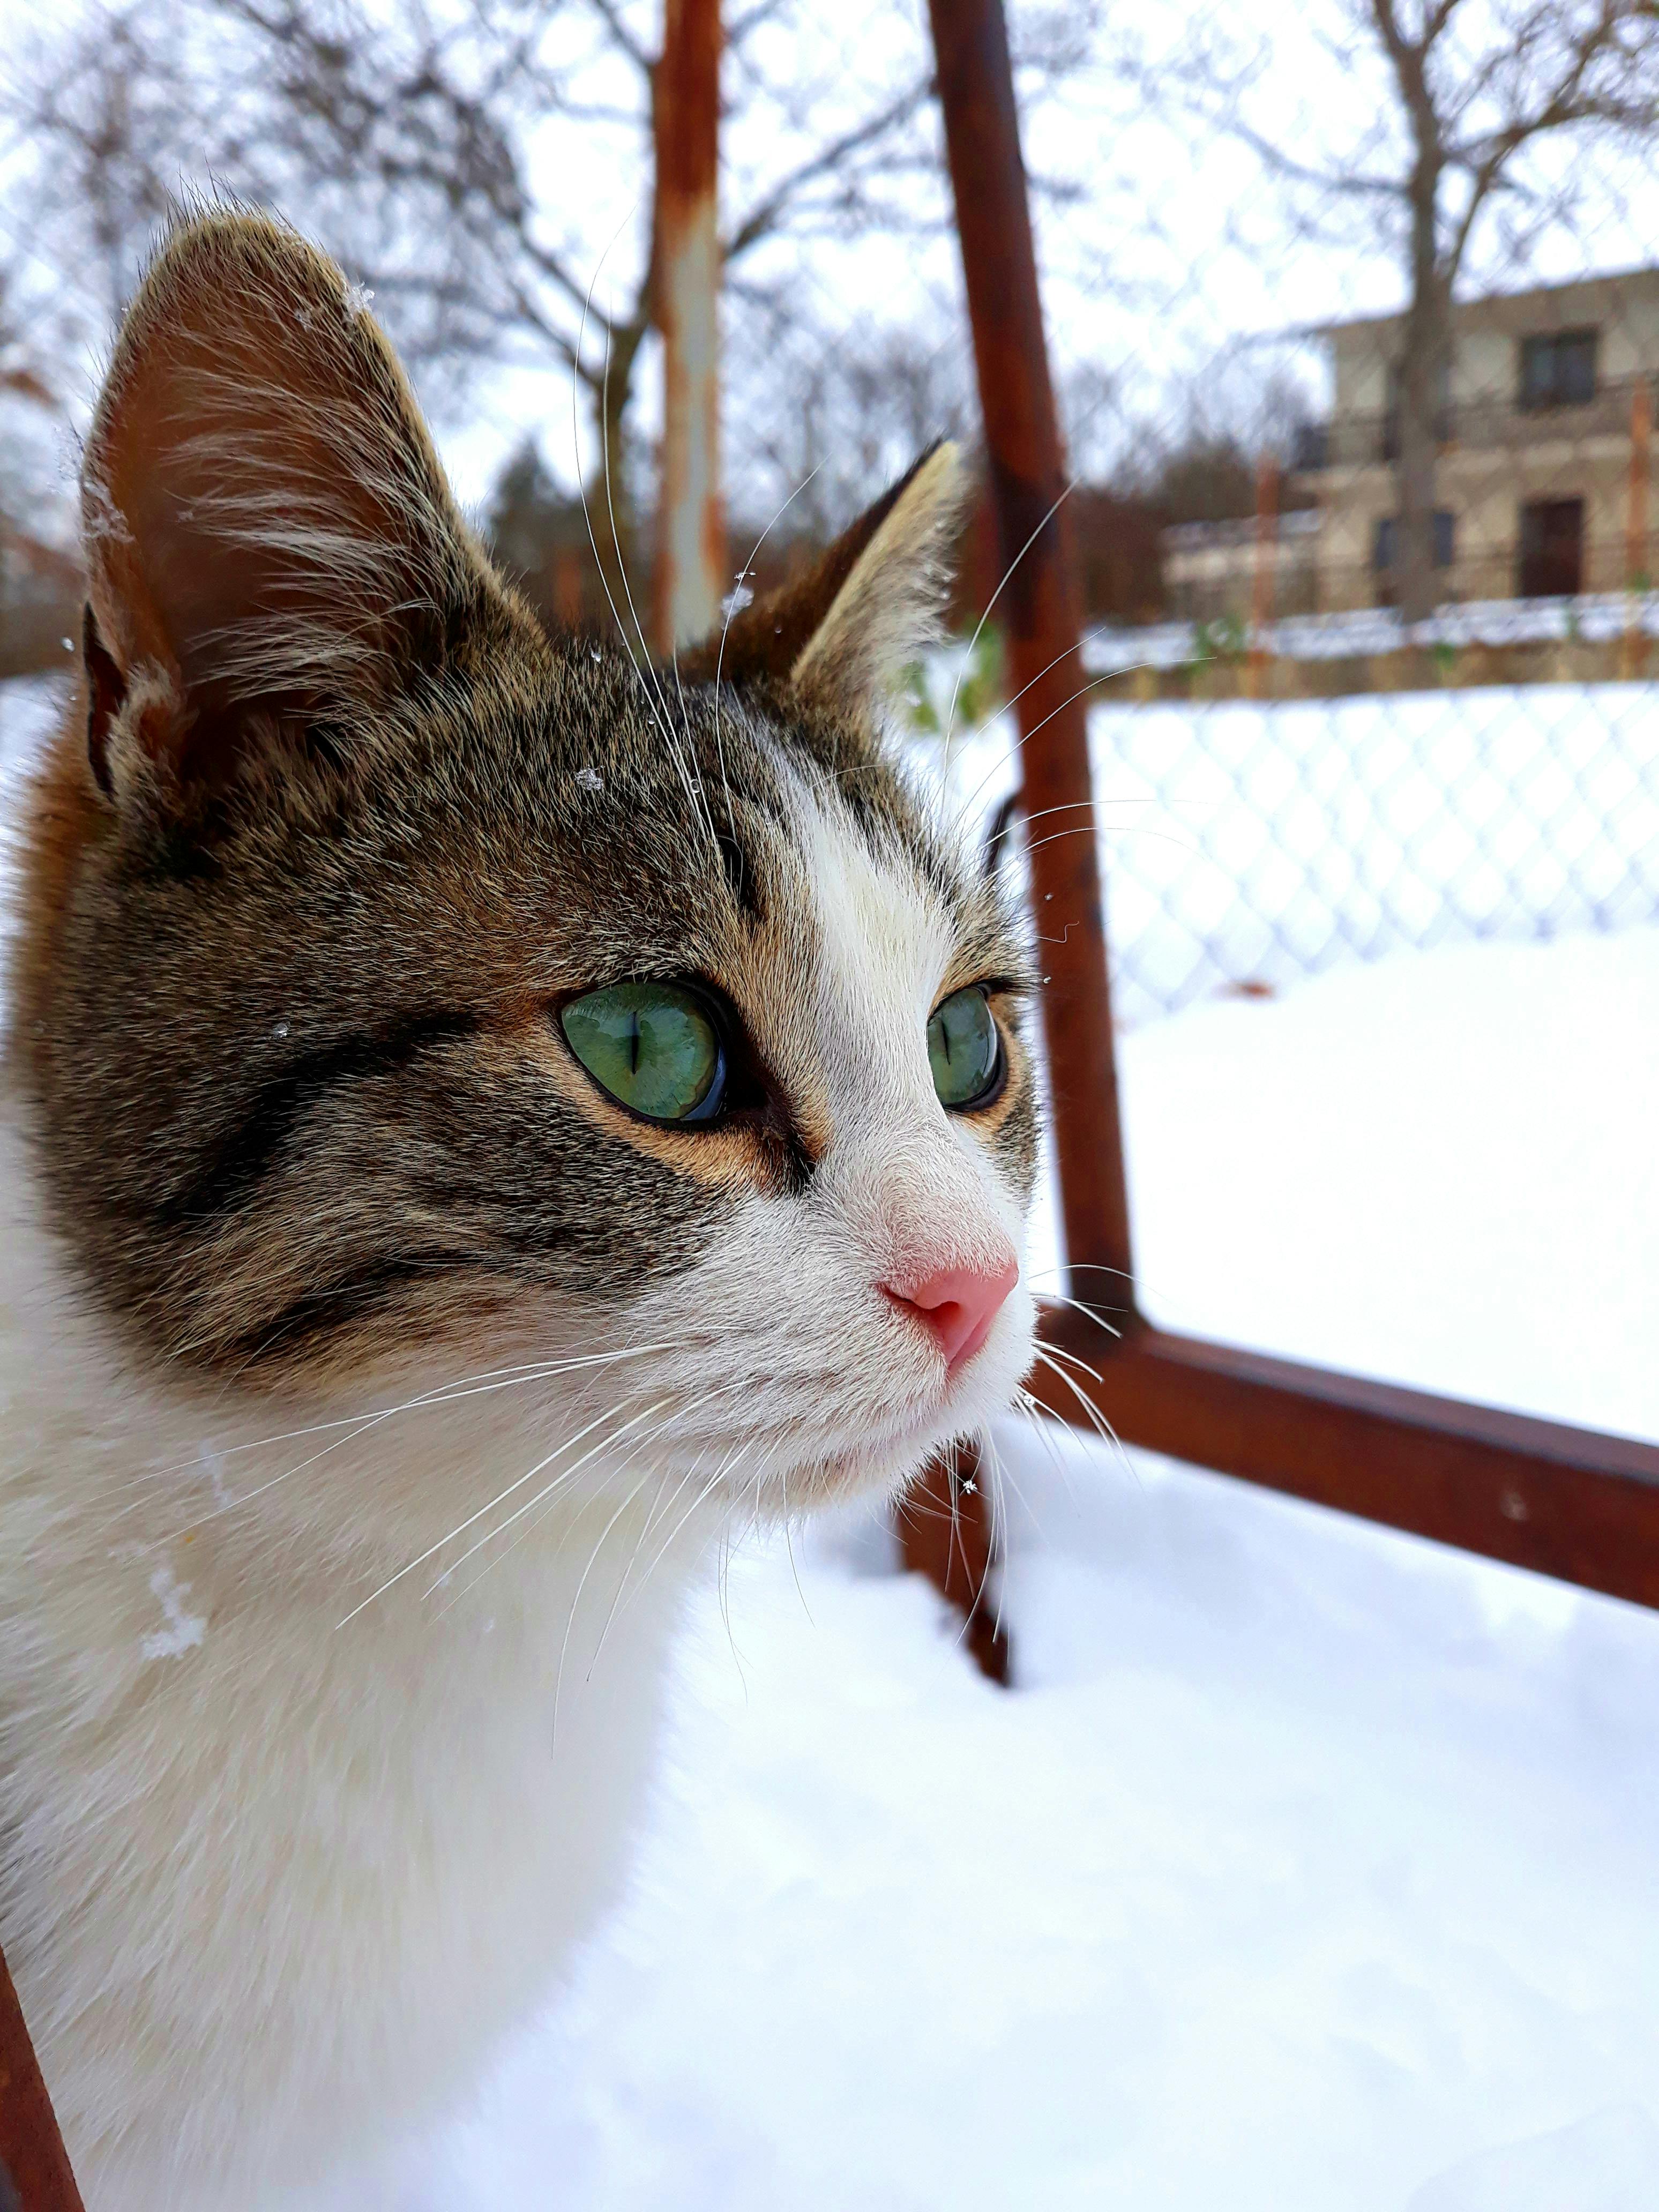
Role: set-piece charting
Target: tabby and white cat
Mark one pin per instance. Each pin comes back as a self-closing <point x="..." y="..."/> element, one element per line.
<point x="478" y="1121"/>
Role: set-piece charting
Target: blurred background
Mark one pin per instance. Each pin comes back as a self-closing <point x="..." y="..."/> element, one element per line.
<point x="1308" y="1865"/>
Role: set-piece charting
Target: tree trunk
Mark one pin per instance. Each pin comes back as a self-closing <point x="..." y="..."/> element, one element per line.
<point x="691" y="551"/>
<point x="608" y="493"/>
<point x="1421" y="396"/>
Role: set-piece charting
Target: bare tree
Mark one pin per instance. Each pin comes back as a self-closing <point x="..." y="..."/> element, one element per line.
<point x="1472" y="90"/>
<point x="829" y="425"/>
<point x="1197" y="457"/>
<point x="416" y="142"/>
<point x="39" y="584"/>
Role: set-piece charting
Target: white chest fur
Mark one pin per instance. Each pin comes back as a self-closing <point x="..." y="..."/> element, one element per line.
<point x="272" y="1885"/>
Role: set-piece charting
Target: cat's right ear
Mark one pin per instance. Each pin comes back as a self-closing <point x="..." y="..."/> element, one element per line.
<point x="843" y="634"/>
<point x="270" y="540"/>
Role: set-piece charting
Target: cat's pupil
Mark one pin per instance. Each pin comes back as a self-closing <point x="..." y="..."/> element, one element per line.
<point x="654" y="1047"/>
<point x="964" y="1049"/>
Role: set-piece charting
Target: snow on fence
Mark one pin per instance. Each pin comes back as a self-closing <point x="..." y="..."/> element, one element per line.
<point x="1597" y="618"/>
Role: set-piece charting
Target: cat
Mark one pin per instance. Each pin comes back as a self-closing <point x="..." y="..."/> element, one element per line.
<point x="485" y="1118"/>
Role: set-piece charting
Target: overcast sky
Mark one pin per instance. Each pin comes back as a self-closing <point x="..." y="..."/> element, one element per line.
<point x="1176" y="253"/>
<point x="1180" y="249"/>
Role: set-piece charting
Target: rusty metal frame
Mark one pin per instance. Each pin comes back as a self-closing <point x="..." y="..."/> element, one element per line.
<point x="1567" y="1502"/>
<point x="34" y="2168"/>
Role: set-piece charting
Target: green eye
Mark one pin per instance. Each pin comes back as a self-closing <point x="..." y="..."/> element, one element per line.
<point x="964" y="1046"/>
<point x="654" y="1046"/>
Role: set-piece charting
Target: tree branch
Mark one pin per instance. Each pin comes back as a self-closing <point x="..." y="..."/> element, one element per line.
<point x="765" y="217"/>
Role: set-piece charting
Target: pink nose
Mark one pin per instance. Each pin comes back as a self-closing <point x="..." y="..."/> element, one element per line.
<point x="959" y="1304"/>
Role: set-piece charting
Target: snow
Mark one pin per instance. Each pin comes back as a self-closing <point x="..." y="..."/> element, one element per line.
<point x="1441" y="1170"/>
<point x="1309" y="1866"/>
<point x="1594" y="616"/>
<point x="184" y="1630"/>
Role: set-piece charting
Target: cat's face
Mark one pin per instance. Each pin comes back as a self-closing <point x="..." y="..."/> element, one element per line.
<point x="402" y="992"/>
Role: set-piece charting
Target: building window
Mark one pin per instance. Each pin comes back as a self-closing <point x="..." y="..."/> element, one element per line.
<point x="1385" y="540"/>
<point x="1552" y="549"/>
<point x="1559" y="370"/>
<point x="1311" y="448"/>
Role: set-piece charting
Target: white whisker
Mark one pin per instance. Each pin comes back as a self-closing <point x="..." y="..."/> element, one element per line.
<point x="949" y="719"/>
<point x="576" y="1603"/>
<point x="1098" y="1421"/>
<point x="544" y="1494"/>
<point x="473" y="1518"/>
<point x="731" y="610"/>
<point x="483" y="1385"/>
<point x="1005" y="706"/>
<point x="654" y="708"/>
<point x="709" y="1489"/>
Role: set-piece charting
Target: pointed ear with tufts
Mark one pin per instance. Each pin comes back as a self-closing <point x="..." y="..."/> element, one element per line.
<point x="269" y="535"/>
<point x="842" y="635"/>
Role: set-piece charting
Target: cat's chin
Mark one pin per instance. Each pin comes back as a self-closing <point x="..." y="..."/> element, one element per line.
<point x="875" y="1463"/>
<point x="884" y="1459"/>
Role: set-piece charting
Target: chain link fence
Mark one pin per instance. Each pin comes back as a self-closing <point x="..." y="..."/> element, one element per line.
<point x="1250" y="844"/>
<point x="1375" y="674"/>
<point x="1247" y="844"/>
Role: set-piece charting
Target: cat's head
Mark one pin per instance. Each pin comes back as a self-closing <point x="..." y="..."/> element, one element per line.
<point x="402" y="990"/>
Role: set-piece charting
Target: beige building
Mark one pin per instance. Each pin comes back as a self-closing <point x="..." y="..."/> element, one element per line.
<point x="1225" y="570"/>
<point x="1542" y="483"/>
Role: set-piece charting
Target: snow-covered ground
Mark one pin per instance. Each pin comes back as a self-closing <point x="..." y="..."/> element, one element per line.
<point x="1441" y="1170"/>
<point x="1594" y="616"/>
<point x="1309" y="1868"/>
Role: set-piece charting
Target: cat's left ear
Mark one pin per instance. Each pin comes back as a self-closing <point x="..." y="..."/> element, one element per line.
<point x="270" y="540"/>
<point x="842" y="635"/>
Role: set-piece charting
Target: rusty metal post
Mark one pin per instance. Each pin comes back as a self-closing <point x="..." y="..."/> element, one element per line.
<point x="34" y="2168"/>
<point x="944" y="1531"/>
<point x="1039" y="608"/>
<point x="691" y="573"/>
<point x="1561" y="1501"/>
<point x="1263" y="577"/>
